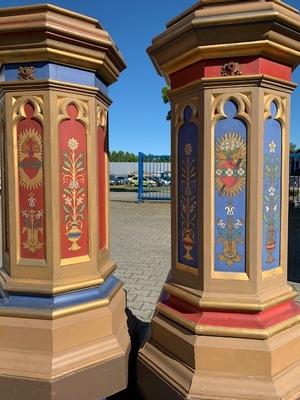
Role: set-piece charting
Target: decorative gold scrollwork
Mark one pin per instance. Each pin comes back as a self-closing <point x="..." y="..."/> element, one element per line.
<point x="231" y="69"/>
<point x="26" y="73"/>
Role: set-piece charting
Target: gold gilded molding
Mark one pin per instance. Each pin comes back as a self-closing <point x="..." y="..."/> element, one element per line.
<point x="101" y="117"/>
<point x="235" y="276"/>
<point x="18" y="104"/>
<point x="243" y="101"/>
<point x="211" y="330"/>
<point x="2" y="109"/>
<point x="64" y="312"/>
<point x="82" y="108"/>
<point x="179" y="112"/>
<point x="281" y="103"/>
<point x="200" y="302"/>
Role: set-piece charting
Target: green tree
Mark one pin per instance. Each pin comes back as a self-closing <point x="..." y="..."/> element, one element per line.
<point x="293" y="148"/>
<point x="121" y="156"/>
<point x="165" y="97"/>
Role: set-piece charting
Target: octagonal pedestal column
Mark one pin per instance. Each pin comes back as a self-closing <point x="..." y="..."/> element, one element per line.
<point x="227" y="326"/>
<point x="62" y="312"/>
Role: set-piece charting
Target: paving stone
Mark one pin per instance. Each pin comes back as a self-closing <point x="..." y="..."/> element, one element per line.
<point x="140" y="245"/>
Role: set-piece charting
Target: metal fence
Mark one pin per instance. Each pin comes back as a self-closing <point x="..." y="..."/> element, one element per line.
<point x="294" y="191"/>
<point x="154" y="177"/>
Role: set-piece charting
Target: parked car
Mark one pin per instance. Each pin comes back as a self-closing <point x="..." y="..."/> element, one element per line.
<point x="134" y="181"/>
<point x="112" y="180"/>
<point x="160" y="181"/>
<point x="121" y="180"/>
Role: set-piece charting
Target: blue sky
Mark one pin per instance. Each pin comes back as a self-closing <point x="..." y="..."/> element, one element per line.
<point x="138" y="115"/>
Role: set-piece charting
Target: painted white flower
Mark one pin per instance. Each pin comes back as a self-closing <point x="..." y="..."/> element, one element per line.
<point x="74" y="184"/>
<point x="38" y="214"/>
<point x="230" y="209"/>
<point x="73" y="144"/>
<point x="272" y="146"/>
<point x="31" y="201"/>
<point x="238" y="224"/>
<point x="68" y="200"/>
<point x="221" y="224"/>
<point x="79" y="200"/>
<point x="271" y="191"/>
<point x="267" y="208"/>
<point x="241" y="171"/>
<point x="219" y="172"/>
<point x="229" y="172"/>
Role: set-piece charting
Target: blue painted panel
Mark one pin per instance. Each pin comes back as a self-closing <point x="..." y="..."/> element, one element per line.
<point x="230" y="192"/>
<point x="11" y="70"/>
<point x="59" y="301"/>
<point x="272" y="192"/>
<point x="187" y="191"/>
<point x="59" y="72"/>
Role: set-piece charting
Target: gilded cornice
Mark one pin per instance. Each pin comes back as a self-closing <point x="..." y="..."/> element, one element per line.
<point x="49" y="33"/>
<point x="215" y="29"/>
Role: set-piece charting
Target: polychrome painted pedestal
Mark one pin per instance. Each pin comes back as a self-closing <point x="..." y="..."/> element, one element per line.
<point x="227" y="326"/>
<point x="63" y="330"/>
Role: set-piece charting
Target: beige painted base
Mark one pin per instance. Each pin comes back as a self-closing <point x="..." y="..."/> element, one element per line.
<point x="53" y="352"/>
<point x="176" y="365"/>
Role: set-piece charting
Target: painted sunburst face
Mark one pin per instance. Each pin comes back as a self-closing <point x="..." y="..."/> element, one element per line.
<point x="230" y="164"/>
<point x="30" y="153"/>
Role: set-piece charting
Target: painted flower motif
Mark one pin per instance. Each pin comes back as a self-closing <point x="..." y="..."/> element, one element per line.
<point x="271" y="191"/>
<point x="74" y="184"/>
<point x="229" y="172"/>
<point x="219" y="172"/>
<point x="238" y="224"/>
<point x="73" y="144"/>
<point x="230" y="209"/>
<point x="80" y="200"/>
<point x="31" y="201"/>
<point x="38" y="214"/>
<point x="272" y="147"/>
<point x="221" y="224"/>
<point x="68" y="200"/>
<point x="241" y="171"/>
<point x="188" y="149"/>
<point x="227" y="146"/>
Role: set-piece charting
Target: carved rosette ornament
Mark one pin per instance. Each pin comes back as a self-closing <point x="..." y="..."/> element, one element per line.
<point x="26" y="73"/>
<point x="231" y="69"/>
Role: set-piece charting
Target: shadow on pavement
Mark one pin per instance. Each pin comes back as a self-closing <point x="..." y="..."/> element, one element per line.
<point x="138" y="331"/>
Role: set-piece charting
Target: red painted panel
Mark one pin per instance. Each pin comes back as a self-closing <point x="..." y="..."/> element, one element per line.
<point x="31" y="186"/>
<point x="102" y="188"/>
<point x="234" y="319"/>
<point x="212" y="69"/>
<point x="73" y="186"/>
